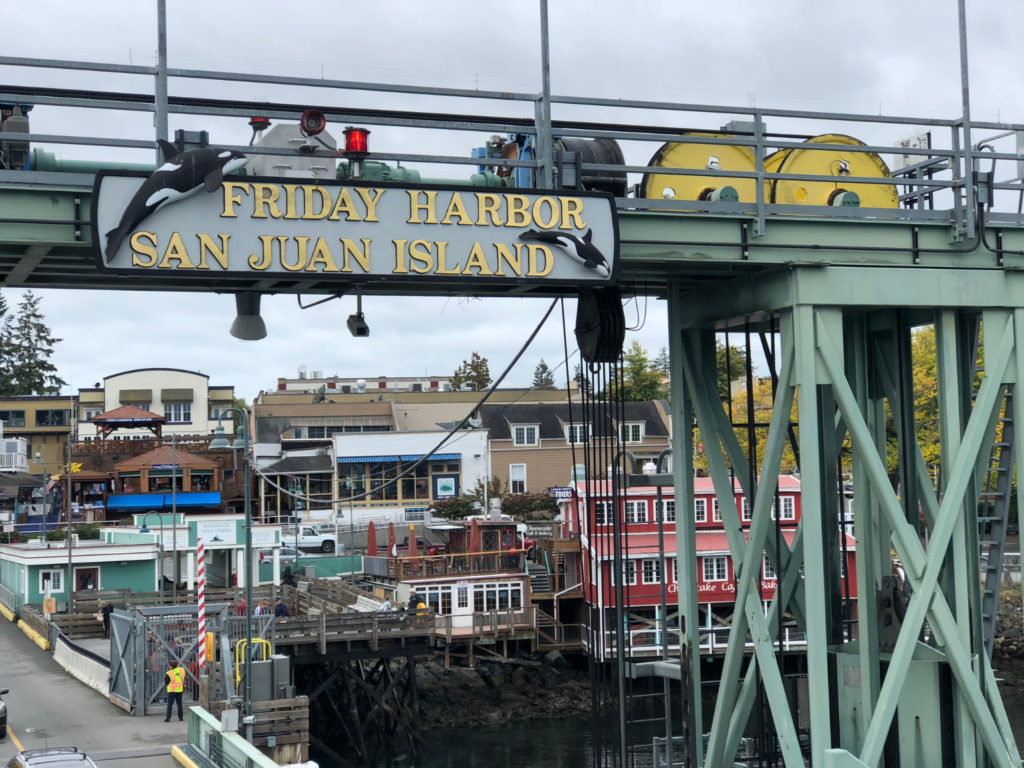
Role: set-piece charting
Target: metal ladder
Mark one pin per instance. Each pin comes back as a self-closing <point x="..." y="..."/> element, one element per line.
<point x="993" y="516"/>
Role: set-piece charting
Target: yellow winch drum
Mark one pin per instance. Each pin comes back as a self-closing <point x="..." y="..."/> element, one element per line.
<point x="810" y="162"/>
<point x="826" y="162"/>
<point x="724" y="157"/>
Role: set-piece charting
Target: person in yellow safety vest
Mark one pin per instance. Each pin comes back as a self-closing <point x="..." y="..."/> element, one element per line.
<point x="175" y="679"/>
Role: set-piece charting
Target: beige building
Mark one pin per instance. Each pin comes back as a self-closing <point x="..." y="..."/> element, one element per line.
<point x="45" y="421"/>
<point x="186" y="399"/>
<point x="310" y="380"/>
<point x="531" y="444"/>
<point x="404" y="411"/>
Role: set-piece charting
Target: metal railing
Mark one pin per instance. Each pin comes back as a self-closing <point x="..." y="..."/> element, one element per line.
<point x="8" y="599"/>
<point x="403" y="568"/>
<point x="920" y="181"/>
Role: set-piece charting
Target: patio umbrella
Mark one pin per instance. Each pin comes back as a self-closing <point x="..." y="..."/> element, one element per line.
<point x="412" y="542"/>
<point x="392" y="544"/>
<point x="371" y="540"/>
<point x="474" y="537"/>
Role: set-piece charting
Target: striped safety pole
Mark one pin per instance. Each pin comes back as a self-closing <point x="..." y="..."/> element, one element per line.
<point x="201" y="565"/>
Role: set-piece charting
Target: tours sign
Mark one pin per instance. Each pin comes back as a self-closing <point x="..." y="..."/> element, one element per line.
<point x="189" y="219"/>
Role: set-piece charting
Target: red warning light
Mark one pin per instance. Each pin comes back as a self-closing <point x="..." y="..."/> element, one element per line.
<point x="357" y="143"/>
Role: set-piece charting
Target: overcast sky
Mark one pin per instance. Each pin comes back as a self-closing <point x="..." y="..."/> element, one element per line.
<point x="869" y="57"/>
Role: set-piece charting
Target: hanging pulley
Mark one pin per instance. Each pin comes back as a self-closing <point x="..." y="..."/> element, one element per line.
<point x="600" y="325"/>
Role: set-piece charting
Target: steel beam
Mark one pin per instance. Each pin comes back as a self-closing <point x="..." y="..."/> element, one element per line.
<point x="686" y="535"/>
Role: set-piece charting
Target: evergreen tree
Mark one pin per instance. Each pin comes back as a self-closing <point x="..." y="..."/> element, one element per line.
<point x="543" y="378"/>
<point x="6" y="349"/>
<point x="473" y="370"/>
<point x="31" y="346"/>
<point x="582" y="382"/>
<point x="661" y="362"/>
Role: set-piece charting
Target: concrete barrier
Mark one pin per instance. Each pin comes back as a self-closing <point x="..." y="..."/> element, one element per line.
<point x="91" y="669"/>
<point x="36" y="638"/>
<point x="7" y="613"/>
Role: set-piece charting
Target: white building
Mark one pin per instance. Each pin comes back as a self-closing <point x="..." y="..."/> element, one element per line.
<point x="310" y="381"/>
<point x="184" y="398"/>
<point x="380" y="475"/>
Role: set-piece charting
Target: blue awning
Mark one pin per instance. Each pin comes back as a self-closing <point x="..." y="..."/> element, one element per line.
<point x="364" y="459"/>
<point x="205" y="499"/>
<point x="136" y="501"/>
<point x="435" y="457"/>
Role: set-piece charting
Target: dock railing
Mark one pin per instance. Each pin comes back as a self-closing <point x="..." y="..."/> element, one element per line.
<point x="428" y="566"/>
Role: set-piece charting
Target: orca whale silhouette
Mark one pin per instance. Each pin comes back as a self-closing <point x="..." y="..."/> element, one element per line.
<point x="580" y="250"/>
<point x="181" y="175"/>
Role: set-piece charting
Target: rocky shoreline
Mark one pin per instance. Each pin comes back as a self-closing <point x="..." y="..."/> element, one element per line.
<point x="500" y="691"/>
<point x="1008" y="648"/>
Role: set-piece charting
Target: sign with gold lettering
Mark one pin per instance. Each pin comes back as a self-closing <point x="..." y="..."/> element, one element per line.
<point x="354" y="231"/>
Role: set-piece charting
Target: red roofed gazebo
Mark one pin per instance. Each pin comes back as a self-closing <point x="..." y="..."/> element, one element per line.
<point x="128" y="417"/>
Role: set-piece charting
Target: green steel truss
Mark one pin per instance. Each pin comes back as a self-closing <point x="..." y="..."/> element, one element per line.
<point x="839" y="328"/>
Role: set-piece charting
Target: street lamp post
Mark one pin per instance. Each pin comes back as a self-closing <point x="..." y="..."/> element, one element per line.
<point x="242" y="443"/>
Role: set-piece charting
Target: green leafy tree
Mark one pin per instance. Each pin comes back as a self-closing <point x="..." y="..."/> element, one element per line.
<point x="473" y="370"/>
<point x="455" y="508"/>
<point x="641" y="382"/>
<point x="529" y="506"/>
<point x="32" y="345"/>
<point x="543" y="378"/>
<point x="240" y="404"/>
<point x="731" y="369"/>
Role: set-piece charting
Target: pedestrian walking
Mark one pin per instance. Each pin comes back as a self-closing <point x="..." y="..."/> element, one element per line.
<point x="280" y="609"/>
<point x="175" y="679"/>
<point x="105" y="610"/>
<point x="386" y="605"/>
<point x="241" y="606"/>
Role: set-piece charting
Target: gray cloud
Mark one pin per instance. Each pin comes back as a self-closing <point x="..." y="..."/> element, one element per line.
<point x="869" y="57"/>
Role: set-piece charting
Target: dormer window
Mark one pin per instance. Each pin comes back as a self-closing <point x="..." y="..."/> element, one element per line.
<point x="632" y="432"/>
<point x="577" y="433"/>
<point x="524" y="435"/>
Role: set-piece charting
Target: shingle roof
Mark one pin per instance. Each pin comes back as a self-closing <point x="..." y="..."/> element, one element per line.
<point x="552" y="418"/>
<point x="163" y="455"/>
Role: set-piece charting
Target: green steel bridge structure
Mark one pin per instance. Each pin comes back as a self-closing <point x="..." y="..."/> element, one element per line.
<point x="839" y="289"/>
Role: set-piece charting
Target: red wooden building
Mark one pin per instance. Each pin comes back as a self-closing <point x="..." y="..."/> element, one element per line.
<point x="643" y="579"/>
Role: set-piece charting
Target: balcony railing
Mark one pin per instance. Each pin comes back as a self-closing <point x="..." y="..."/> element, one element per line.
<point x="128" y="448"/>
<point x="486" y="623"/>
<point x="13" y="462"/>
<point x="432" y="566"/>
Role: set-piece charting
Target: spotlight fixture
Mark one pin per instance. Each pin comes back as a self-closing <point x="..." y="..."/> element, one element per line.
<point x="356" y="323"/>
<point x="248" y="325"/>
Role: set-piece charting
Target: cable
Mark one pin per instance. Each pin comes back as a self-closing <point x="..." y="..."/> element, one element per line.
<point x="446" y="438"/>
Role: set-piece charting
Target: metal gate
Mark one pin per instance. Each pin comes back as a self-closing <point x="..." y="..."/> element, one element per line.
<point x="124" y="660"/>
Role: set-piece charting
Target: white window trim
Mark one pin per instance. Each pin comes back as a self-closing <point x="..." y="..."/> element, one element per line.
<point x="637" y="508"/>
<point x="716" y="514"/>
<point x="665" y="510"/>
<point x="510" y="476"/>
<point x="627" y="426"/>
<point x="714" y="567"/>
<point x="700" y="510"/>
<point x="788" y="509"/>
<point x="536" y="435"/>
<point x="99" y="574"/>
<point x="748" y="513"/>
<point x="655" y="570"/>
<point x="577" y="427"/>
<point x="42" y="588"/>
<point x="767" y="566"/>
